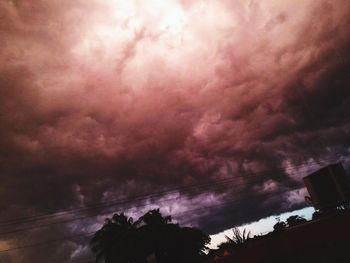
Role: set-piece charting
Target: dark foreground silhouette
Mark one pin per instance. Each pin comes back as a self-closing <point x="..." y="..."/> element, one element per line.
<point x="322" y="240"/>
<point x="152" y="238"/>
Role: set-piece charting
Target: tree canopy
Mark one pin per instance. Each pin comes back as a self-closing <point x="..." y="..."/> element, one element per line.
<point x="290" y="222"/>
<point x="121" y="239"/>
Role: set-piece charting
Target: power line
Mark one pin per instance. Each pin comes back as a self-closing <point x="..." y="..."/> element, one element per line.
<point x="134" y="199"/>
<point x="119" y="203"/>
<point x="217" y="184"/>
<point x="86" y="234"/>
<point x="105" y="204"/>
<point x="108" y="203"/>
<point x="90" y="234"/>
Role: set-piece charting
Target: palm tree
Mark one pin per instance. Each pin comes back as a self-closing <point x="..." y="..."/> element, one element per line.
<point x="237" y="240"/>
<point x="113" y="242"/>
<point x="171" y="243"/>
<point x="153" y="233"/>
<point x="121" y="240"/>
<point x="154" y="218"/>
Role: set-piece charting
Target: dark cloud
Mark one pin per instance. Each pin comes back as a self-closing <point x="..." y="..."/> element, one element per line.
<point x="103" y="100"/>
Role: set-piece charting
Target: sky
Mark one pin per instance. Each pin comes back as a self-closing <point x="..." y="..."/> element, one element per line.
<point x="105" y="100"/>
<point x="260" y="227"/>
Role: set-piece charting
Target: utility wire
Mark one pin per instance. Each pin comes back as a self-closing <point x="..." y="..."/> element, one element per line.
<point x="96" y="213"/>
<point x="112" y="203"/>
<point x="138" y="198"/>
<point x="211" y="187"/>
<point x="65" y="238"/>
<point x="90" y="234"/>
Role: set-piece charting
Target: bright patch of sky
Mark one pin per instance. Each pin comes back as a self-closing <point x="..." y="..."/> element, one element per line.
<point x="261" y="227"/>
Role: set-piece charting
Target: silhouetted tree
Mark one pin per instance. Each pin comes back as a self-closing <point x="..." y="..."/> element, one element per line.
<point x="238" y="239"/>
<point x="122" y="240"/>
<point x="170" y="242"/>
<point x="192" y="243"/>
<point x="291" y="221"/>
<point x="154" y="218"/>
<point x="279" y="226"/>
<point x="152" y="232"/>
<point x="295" y="220"/>
<point x="113" y="242"/>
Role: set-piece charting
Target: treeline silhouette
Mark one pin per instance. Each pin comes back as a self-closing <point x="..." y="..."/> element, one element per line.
<point x="290" y="222"/>
<point x="153" y="237"/>
<point x="323" y="239"/>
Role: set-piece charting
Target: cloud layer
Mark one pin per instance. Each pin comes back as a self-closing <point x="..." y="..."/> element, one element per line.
<point x="101" y="100"/>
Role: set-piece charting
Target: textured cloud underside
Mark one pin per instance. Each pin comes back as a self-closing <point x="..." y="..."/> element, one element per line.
<point x="101" y="100"/>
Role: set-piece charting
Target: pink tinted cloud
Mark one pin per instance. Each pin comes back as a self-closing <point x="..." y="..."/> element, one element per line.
<point x="109" y="99"/>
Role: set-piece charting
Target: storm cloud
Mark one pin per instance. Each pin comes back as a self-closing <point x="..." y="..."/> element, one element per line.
<point x="108" y="100"/>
